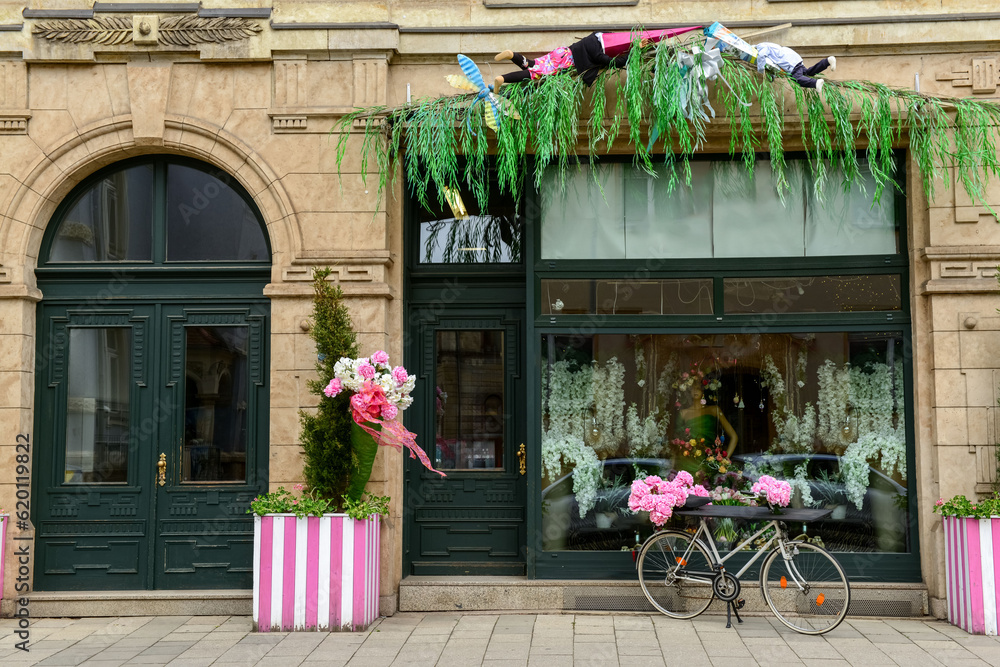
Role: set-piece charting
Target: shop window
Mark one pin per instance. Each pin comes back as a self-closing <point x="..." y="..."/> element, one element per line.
<point x="823" y="410"/>
<point x="614" y="211"/>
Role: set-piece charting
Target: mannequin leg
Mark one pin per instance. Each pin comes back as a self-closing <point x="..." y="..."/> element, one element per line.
<point x="818" y="67"/>
<point x="519" y="60"/>
<point x="513" y="77"/>
<point x="801" y="78"/>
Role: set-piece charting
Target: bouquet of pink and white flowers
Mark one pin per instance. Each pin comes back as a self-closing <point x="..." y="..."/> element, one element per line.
<point x="395" y="384"/>
<point x="380" y="392"/>
<point x="776" y="492"/>
<point x="659" y="497"/>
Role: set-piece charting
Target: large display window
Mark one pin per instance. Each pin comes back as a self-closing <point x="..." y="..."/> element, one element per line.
<point x="824" y="410"/>
<point x="735" y="328"/>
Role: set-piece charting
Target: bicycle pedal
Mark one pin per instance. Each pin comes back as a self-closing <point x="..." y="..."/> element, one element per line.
<point x="740" y="603"/>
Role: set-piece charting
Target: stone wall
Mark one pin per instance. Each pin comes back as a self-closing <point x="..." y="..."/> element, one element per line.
<point x="261" y="106"/>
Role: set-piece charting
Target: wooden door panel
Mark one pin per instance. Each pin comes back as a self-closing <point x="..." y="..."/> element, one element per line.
<point x="92" y="472"/>
<point x="473" y="520"/>
<point x="215" y="376"/>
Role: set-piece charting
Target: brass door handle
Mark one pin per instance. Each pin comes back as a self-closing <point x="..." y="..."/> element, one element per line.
<point x="520" y="458"/>
<point x="161" y="467"/>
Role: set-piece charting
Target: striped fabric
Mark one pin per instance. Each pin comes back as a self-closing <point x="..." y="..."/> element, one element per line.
<point x="315" y="573"/>
<point x="972" y="566"/>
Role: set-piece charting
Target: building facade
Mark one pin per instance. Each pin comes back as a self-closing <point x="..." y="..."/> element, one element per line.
<point x="168" y="181"/>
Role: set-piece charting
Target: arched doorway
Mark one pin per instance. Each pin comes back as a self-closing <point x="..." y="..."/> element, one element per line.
<point x="151" y="397"/>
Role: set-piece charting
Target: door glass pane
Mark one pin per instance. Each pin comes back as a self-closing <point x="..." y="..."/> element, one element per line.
<point x="209" y="220"/>
<point x="823" y="410"/>
<point x="111" y="222"/>
<point x="215" y="405"/>
<point x="97" y="406"/>
<point x="469" y="411"/>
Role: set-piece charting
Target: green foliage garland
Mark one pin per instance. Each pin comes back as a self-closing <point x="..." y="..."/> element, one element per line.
<point x="326" y="435"/>
<point x="429" y="135"/>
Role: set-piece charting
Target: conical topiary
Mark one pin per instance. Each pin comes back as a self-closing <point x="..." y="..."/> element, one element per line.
<point x="326" y="435"/>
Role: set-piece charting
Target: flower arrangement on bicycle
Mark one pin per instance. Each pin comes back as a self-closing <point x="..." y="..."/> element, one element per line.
<point x="777" y="493"/>
<point x="659" y="497"/>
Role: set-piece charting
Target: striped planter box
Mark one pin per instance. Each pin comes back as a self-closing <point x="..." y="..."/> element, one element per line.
<point x="315" y="573"/>
<point x="972" y="568"/>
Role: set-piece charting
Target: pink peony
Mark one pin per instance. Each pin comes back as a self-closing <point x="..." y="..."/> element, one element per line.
<point x="367" y="371"/>
<point x="777" y="492"/>
<point x="381" y="358"/>
<point x="685" y="478"/>
<point x="400" y="375"/>
<point x="334" y="388"/>
<point x="389" y="411"/>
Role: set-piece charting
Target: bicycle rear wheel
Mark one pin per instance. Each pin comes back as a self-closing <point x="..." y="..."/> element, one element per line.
<point x="808" y="591"/>
<point x="675" y="573"/>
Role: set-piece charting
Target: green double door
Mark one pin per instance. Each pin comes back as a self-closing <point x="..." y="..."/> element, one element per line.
<point x="151" y="441"/>
<point x="470" y="419"/>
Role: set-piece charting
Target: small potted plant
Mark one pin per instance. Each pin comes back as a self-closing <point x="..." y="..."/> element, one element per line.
<point x="971" y="545"/>
<point x="316" y="555"/>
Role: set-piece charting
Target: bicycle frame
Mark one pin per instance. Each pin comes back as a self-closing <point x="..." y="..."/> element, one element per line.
<point x="719" y="560"/>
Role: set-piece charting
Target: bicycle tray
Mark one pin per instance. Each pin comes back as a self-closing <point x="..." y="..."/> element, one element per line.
<point x="693" y="502"/>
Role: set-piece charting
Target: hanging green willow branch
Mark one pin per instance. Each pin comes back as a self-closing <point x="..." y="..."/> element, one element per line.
<point x="657" y="102"/>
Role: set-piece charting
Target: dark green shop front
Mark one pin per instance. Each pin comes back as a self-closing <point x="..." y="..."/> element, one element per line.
<point x="608" y="327"/>
<point x="152" y="382"/>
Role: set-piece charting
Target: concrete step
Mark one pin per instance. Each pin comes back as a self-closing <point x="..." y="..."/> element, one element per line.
<point x="427" y="593"/>
<point x="73" y="604"/>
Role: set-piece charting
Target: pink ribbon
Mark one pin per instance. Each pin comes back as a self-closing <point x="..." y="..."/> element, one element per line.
<point x="395" y="435"/>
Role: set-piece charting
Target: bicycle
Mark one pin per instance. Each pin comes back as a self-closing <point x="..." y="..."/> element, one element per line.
<point x="802" y="583"/>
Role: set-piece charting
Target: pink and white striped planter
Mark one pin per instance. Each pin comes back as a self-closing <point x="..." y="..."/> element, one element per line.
<point x="972" y="568"/>
<point x="315" y="573"/>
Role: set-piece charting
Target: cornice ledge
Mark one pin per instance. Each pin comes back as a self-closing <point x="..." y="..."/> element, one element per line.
<point x="978" y="252"/>
<point x="961" y="286"/>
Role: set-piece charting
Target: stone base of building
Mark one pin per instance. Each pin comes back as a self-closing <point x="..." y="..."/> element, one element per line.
<point x="137" y="603"/>
<point x="520" y="594"/>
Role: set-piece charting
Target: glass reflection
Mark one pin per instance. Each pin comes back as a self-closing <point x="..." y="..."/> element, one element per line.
<point x="823" y="410"/>
<point x="110" y="222"/>
<point x="215" y="422"/>
<point x="469" y="413"/>
<point x="97" y="406"/>
<point x="208" y="220"/>
<point x="813" y="294"/>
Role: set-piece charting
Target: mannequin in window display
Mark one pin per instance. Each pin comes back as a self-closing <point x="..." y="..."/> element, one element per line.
<point x="702" y="421"/>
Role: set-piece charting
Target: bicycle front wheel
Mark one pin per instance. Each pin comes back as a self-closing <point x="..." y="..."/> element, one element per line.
<point x="807" y="590"/>
<point x="675" y="573"/>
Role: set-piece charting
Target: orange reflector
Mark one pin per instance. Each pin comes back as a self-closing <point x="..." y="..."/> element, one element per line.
<point x="820" y="599"/>
<point x="784" y="582"/>
<point x="681" y="561"/>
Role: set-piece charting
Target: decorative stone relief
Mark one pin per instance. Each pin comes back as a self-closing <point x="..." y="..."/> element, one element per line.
<point x="172" y="30"/>
<point x="980" y="75"/>
<point x="14" y="114"/>
<point x="369" y="82"/>
<point x="340" y="274"/>
<point x="967" y="210"/>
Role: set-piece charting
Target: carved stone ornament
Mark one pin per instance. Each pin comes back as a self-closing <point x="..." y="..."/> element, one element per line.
<point x="173" y="30"/>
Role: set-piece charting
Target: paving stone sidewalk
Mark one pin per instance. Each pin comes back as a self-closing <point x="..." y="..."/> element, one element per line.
<point x="459" y="640"/>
